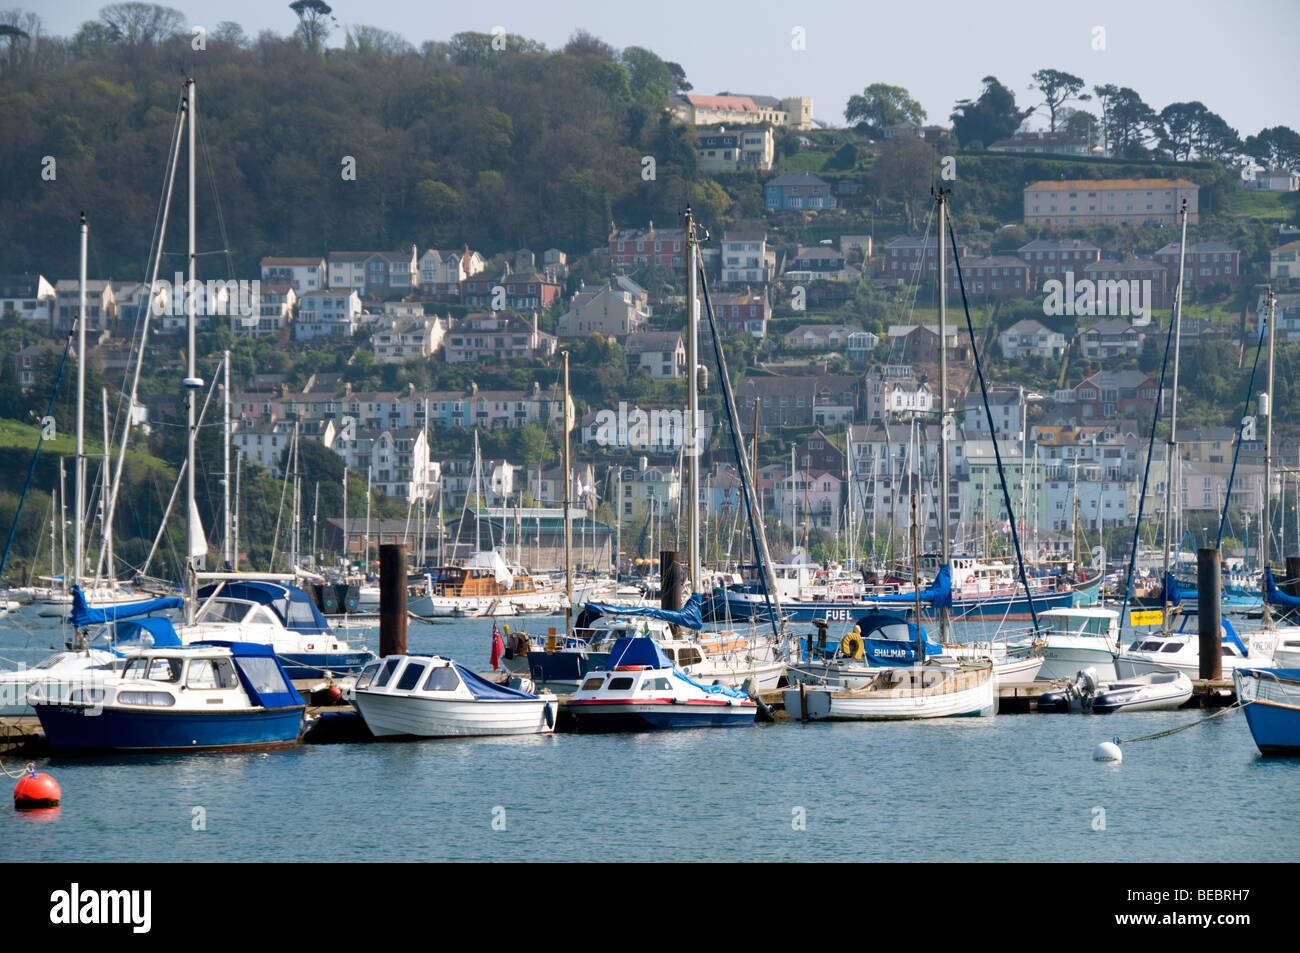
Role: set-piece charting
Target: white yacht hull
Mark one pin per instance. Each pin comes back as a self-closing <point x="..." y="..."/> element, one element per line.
<point x="952" y="695"/>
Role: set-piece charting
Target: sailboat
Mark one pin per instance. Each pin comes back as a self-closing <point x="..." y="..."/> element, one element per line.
<point x="931" y="687"/>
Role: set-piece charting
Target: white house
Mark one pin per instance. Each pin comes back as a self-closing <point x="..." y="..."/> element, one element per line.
<point x="328" y="314"/>
<point x="300" y="274"/>
<point x="1030" y="338"/>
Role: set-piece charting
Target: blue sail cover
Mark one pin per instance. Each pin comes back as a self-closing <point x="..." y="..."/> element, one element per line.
<point x="687" y="616"/>
<point x="151" y="633"/>
<point x="938" y="595"/>
<point x="84" y="615"/>
<point x="294" y="607"/>
<point x="882" y="649"/>
<point x="1276" y="597"/>
<point x="261" y="674"/>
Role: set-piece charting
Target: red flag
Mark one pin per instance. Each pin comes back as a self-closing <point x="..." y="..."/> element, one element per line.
<point x="498" y="646"/>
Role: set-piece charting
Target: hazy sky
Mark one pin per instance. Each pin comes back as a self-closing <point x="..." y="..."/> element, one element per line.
<point x="1239" y="58"/>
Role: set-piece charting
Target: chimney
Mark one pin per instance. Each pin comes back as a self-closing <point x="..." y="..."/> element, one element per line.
<point x="347" y="389"/>
<point x="534" y="328"/>
<point x="473" y="388"/>
<point x="410" y="388"/>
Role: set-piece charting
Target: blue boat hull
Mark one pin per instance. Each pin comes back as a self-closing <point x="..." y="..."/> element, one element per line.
<point x="75" y="728"/>
<point x="304" y="665"/>
<point x="597" y="718"/>
<point x="1275" y="728"/>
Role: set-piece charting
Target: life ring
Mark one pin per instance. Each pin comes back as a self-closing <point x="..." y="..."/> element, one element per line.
<point x="852" y="646"/>
<point x="630" y="668"/>
<point x="970" y="577"/>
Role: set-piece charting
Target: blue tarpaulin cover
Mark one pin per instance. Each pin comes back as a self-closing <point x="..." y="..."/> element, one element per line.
<point x="158" y="633"/>
<point x="687" y="616"/>
<point x="881" y="649"/>
<point x="1276" y="596"/>
<point x="639" y="650"/>
<point x="938" y="595"/>
<point x="480" y="687"/>
<point x="294" y="607"/>
<point x="84" y="614"/>
<point x="261" y="674"/>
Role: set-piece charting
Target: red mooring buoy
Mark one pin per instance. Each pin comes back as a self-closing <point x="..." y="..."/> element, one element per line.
<point x="35" y="791"/>
<point x="334" y="694"/>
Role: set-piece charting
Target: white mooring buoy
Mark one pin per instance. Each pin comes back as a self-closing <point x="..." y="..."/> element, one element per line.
<point x="1107" y="751"/>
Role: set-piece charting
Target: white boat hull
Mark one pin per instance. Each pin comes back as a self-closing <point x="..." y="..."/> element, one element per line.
<point x="389" y="716"/>
<point x="1065" y="657"/>
<point x="953" y="695"/>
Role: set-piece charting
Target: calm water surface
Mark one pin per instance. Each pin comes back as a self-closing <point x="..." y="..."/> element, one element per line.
<point x="1013" y="788"/>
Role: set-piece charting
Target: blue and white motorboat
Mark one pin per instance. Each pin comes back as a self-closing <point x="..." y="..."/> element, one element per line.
<point x="427" y="696"/>
<point x="279" y="615"/>
<point x="1271" y="699"/>
<point x="230" y="696"/>
<point x="641" y="690"/>
<point x="1180" y="651"/>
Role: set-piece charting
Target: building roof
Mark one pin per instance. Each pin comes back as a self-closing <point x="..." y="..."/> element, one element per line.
<point x="652" y="341"/>
<point x="796" y="178"/>
<point x="291" y="262"/>
<point x="1059" y="244"/>
<point x="1076" y="185"/>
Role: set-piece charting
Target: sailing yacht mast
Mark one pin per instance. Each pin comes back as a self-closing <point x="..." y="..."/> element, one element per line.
<point x="192" y="384"/>
<point x="79" y="473"/>
<point x="945" y="619"/>
<point x="225" y="454"/>
<point x="1267" y="409"/>
<point x="568" y="524"/>
<point x="1171" y="447"/>
<point x="692" y="401"/>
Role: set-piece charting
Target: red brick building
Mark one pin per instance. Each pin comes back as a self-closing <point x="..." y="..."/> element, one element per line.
<point x="1205" y="263"/>
<point x="639" y="248"/>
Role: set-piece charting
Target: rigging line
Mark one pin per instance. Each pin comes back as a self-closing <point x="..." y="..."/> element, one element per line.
<point x="216" y="200"/>
<point x="40" y="438"/>
<point x="1146" y="474"/>
<point x="770" y="598"/>
<point x="993" y="432"/>
<point x="1241" y="429"/>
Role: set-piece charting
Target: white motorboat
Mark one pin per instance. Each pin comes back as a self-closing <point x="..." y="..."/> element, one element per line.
<point x="937" y="689"/>
<point x="642" y="690"/>
<point x="1286" y="652"/>
<point x="1181" y="652"/>
<point x="1076" y="639"/>
<point x="55" y="677"/>
<point x="427" y="696"/>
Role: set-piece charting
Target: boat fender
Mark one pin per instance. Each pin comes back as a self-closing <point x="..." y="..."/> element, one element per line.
<point x="548" y="715"/>
<point x="852" y="646"/>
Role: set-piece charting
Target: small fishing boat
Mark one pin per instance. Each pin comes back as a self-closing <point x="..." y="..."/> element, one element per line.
<point x="1156" y="691"/>
<point x="1271" y="699"/>
<point x="936" y="689"/>
<point x="427" y="696"/>
<point x="641" y="690"/>
<point x="230" y="696"/>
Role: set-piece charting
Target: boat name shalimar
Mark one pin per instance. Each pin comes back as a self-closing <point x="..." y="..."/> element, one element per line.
<point x="76" y="906"/>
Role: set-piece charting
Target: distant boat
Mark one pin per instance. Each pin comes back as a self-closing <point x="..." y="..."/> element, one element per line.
<point x="1271" y="698"/>
<point x="427" y="696"/>
<point x="207" y="697"/>
<point x="641" y="690"/>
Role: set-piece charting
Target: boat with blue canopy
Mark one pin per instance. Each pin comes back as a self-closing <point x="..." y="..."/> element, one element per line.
<point x="216" y="696"/>
<point x="641" y="690"/>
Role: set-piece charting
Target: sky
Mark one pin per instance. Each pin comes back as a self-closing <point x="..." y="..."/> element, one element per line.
<point x="1240" y="58"/>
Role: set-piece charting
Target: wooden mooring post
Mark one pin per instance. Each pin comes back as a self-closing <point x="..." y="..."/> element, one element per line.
<point x="1208" y="617"/>
<point x="392" y="599"/>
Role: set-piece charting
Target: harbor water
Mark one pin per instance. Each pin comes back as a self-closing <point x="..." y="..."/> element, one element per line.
<point x="1010" y="788"/>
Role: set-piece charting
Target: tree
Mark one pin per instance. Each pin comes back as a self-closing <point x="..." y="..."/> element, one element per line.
<point x="1131" y="124"/>
<point x="881" y="106"/>
<point x="141" y="24"/>
<point x="651" y="76"/>
<point x="371" y="39"/>
<point x="583" y="43"/>
<point x="1105" y="94"/>
<point x="311" y="21"/>
<point x="228" y="31"/>
<point x="1057" y="88"/>
<point x="1277" y="147"/>
<point x="1181" y="123"/>
<point x="992" y="117"/>
<point x="904" y="172"/>
<point x="1081" y="124"/>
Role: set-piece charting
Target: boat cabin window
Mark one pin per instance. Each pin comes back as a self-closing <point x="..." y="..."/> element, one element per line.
<point x="263" y="674"/>
<point x="260" y="616"/>
<point x="224" y="610"/>
<point x="53" y="660"/>
<point x="300" y="616"/>
<point x="621" y="684"/>
<point x="592" y="684"/>
<point x="1171" y="647"/>
<point x="671" y="655"/>
<point x="389" y="667"/>
<point x="155" y="669"/>
<point x="1146" y="646"/>
<point x="367" y="675"/>
<point x="689" y="657"/>
<point x="211" y="673"/>
<point x="660" y="684"/>
<point x="160" y="699"/>
<point x="411" y="676"/>
<point x="442" y="679"/>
